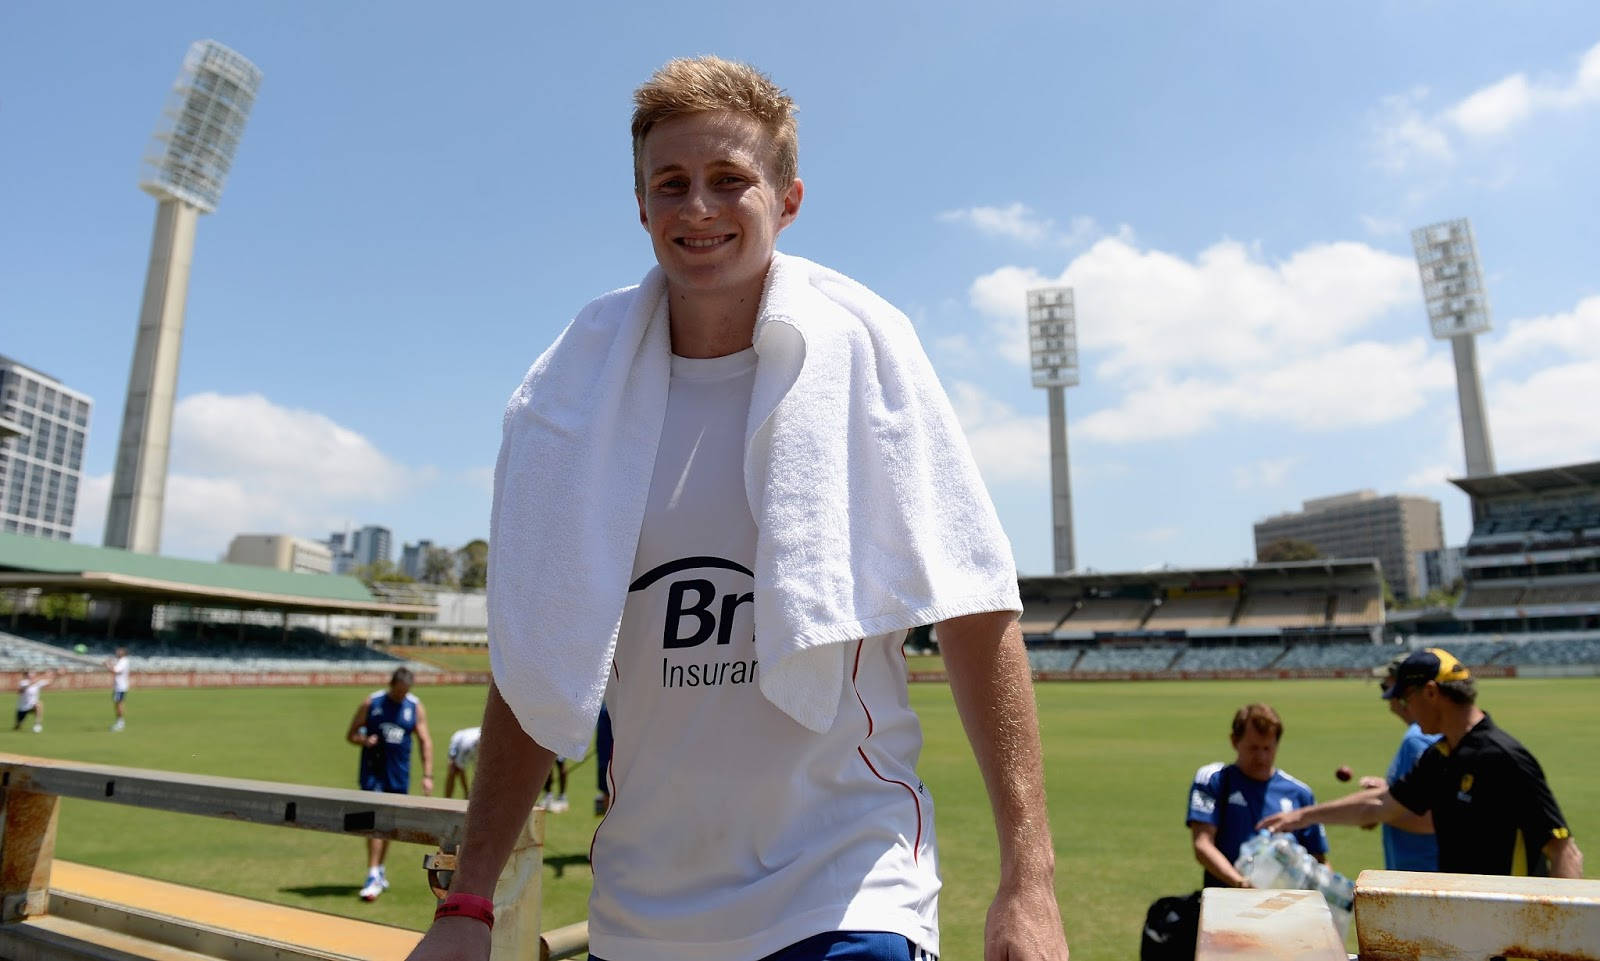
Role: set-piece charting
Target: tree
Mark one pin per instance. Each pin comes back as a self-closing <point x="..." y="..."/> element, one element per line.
<point x="1287" y="549"/>
<point x="66" y="607"/>
<point x="382" y="572"/>
<point x="439" y="567"/>
<point x="474" y="559"/>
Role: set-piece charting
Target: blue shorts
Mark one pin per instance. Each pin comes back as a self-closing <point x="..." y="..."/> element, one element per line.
<point x="848" y="946"/>
<point x="372" y="782"/>
<point x="117" y="696"/>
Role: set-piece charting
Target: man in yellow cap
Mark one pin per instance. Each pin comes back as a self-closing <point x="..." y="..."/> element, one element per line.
<point x="1492" y="809"/>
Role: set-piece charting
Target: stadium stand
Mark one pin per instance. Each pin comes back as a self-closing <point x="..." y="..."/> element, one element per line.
<point x="1041" y="616"/>
<point x="1284" y="609"/>
<point x="1358" y="608"/>
<point x="1342" y="656"/>
<point x="1188" y="612"/>
<point x="1119" y="658"/>
<point x="1108" y="614"/>
<point x="1477" y="596"/>
<point x="1056" y="660"/>
<point x="1246" y="658"/>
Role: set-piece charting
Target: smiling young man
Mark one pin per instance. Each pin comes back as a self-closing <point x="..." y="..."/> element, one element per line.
<point x="759" y="488"/>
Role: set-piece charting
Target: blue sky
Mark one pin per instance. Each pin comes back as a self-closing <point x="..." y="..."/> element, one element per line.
<point x="424" y="197"/>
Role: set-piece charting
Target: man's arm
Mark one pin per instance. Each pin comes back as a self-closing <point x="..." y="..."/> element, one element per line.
<point x="511" y="767"/>
<point x="354" y="735"/>
<point x="1362" y="807"/>
<point x="425" y="745"/>
<point x="1211" y="857"/>
<point x="1566" y="861"/>
<point x="992" y="685"/>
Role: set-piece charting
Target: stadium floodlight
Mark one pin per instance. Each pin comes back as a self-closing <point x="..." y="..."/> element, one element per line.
<point x="184" y="169"/>
<point x="1053" y="347"/>
<point x="1458" y="310"/>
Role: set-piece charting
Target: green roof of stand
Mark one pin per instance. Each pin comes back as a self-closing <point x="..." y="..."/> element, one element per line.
<point x="20" y="552"/>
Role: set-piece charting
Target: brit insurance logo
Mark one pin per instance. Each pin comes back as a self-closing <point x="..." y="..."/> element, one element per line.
<point x="707" y="620"/>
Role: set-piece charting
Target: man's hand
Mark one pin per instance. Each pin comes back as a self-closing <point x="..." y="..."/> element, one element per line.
<point x="427" y="785"/>
<point x="1370" y="781"/>
<point x="1024" y="924"/>
<point x="453" y="939"/>
<point x="1284" y="822"/>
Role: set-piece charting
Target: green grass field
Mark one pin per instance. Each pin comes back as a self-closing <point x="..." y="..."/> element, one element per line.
<point x="1119" y="757"/>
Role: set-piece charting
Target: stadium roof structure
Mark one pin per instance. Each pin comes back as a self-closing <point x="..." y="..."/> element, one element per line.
<point x="1544" y="480"/>
<point x="1168" y="577"/>
<point x="62" y="566"/>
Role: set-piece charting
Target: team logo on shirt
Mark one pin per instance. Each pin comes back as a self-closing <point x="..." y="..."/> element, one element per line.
<point x="1465" y="792"/>
<point x="698" y="610"/>
<point x="1202" y="802"/>
<point x="1237" y="797"/>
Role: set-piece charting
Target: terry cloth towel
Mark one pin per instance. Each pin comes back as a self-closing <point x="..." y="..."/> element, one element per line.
<point x="870" y="511"/>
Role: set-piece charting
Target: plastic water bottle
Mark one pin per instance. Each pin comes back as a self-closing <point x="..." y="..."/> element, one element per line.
<point x="1279" y="861"/>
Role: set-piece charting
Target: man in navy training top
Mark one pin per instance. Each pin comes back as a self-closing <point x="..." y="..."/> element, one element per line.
<point x="1226" y="801"/>
<point x="382" y="727"/>
<point x="1406" y="846"/>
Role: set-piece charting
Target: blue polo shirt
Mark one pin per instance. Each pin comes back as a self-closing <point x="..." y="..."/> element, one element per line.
<point x="1225" y="796"/>
<point x="1407" y="850"/>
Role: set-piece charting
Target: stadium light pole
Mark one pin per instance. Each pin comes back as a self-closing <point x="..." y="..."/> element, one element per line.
<point x="1458" y="310"/>
<point x="185" y="169"/>
<point x="1053" y="346"/>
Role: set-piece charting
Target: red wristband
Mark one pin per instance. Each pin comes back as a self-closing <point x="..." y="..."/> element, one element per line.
<point x="466" y="906"/>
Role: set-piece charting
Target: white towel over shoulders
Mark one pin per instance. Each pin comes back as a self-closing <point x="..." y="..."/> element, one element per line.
<point x="870" y="511"/>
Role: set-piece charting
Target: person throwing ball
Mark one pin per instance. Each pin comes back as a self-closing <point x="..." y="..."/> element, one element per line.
<point x="382" y="727"/>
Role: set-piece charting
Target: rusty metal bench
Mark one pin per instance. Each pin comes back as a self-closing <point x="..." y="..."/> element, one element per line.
<point x="59" y="910"/>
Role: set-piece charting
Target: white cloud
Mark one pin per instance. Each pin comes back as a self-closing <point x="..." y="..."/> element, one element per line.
<point x="1010" y="447"/>
<point x="1014" y="222"/>
<point x="1020" y="222"/>
<point x="244" y="464"/>
<point x="1382" y="226"/>
<point x="1188" y="344"/>
<point x="1407" y="137"/>
<point x="1431" y="475"/>
<point x="1268" y="472"/>
<point x="1575" y="333"/>
<point x="1158" y="535"/>
<point x="1548" y="418"/>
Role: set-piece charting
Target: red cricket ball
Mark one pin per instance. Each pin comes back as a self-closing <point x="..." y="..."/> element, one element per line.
<point x="1344" y="773"/>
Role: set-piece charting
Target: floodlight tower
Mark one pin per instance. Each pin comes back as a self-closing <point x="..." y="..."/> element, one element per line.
<point x="1458" y="310"/>
<point x="185" y="168"/>
<point x="1053" y="345"/>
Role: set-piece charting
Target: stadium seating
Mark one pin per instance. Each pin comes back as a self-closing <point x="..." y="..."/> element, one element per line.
<point x="265" y="650"/>
<point x="1357" y="609"/>
<point x="1473" y="653"/>
<point x="1183" y="613"/>
<point x="1128" y="658"/>
<point x="1346" y="656"/>
<point x="1107" y="614"/>
<point x="1040" y="617"/>
<point x="1249" y="658"/>
<point x="1284" y="609"/>
<point x="1563" y="652"/>
<point x="1562" y="594"/>
<point x="22" y="654"/>
<point x="1479" y="596"/>
<point x="1054" y="659"/>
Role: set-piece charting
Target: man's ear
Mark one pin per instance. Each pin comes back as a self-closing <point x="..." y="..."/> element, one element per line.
<point x="791" y="203"/>
<point x="644" y="220"/>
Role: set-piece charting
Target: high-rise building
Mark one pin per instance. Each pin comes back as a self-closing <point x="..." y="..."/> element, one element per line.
<point x="339" y="547"/>
<point x="414" y="559"/>
<point x="371" y="544"/>
<point x="44" y="427"/>
<point x="282" y="552"/>
<point x="1394" y="529"/>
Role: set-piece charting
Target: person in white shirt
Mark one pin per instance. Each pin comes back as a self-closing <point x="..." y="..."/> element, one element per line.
<point x="735" y="830"/>
<point x="30" y="700"/>
<point x="119" y="685"/>
<point x="463" y="755"/>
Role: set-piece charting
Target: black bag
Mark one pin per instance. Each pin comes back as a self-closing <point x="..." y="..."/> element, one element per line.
<point x="1171" y="927"/>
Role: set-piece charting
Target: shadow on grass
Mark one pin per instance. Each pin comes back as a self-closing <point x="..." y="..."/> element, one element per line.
<point x="560" y="861"/>
<point x="324" y="890"/>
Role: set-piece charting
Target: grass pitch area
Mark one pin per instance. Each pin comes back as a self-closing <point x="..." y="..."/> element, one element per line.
<point x="1119" y="757"/>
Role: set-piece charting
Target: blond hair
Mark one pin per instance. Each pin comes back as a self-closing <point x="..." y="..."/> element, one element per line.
<point x="689" y="85"/>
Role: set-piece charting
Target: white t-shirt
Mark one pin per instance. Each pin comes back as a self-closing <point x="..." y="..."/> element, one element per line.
<point x="119" y="675"/>
<point x="28" y="694"/>
<point x="733" y="831"/>
<point x="464" y="747"/>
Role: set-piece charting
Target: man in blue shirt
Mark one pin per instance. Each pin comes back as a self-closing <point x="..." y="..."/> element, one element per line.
<point x="382" y="727"/>
<point x="1405" y="850"/>
<point x="1227" y="801"/>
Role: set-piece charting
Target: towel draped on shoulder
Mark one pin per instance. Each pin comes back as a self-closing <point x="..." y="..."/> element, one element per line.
<point x="870" y="511"/>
